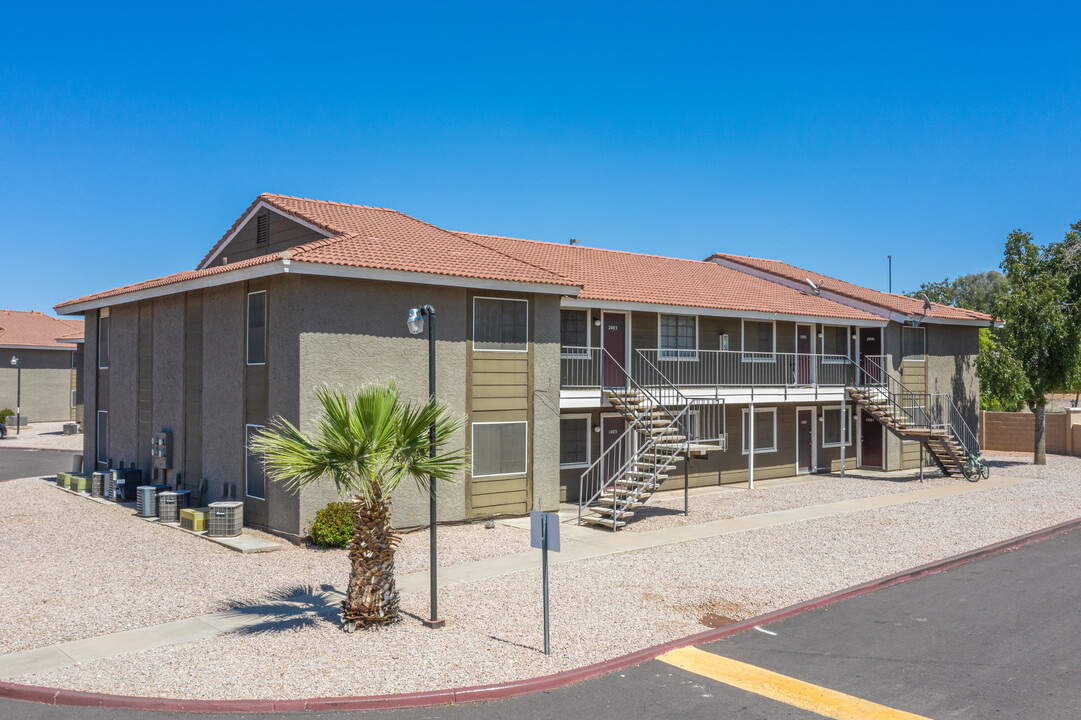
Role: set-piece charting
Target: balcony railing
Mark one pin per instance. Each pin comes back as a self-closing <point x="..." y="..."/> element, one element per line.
<point x="584" y="368"/>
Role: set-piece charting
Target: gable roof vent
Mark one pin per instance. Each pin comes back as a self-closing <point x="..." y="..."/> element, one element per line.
<point x="262" y="229"/>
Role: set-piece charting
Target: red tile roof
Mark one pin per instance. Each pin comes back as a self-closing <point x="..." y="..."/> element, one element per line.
<point x="37" y="330"/>
<point x="172" y="279"/>
<point x="614" y="275"/>
<point x="373" y="237"/>
<point x="889" y="301"/>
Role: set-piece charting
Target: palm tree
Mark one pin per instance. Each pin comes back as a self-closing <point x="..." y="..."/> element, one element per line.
<point x="366" y="447"/>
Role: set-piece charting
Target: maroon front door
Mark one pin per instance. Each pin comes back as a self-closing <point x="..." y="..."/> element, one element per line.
<point x="870" y="354"/>
<point x="614" y="342"/>
<point x="804" y="345"/>
<point x="804" y="440"/>
<point x="870" y="441"/>
<point x="612" y="429"/>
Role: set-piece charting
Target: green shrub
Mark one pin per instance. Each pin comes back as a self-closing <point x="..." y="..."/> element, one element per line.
<point x="5" y="413"/>
<point x="333" y="525"/>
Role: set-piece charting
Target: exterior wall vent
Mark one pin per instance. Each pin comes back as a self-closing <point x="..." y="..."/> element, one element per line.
<point x="262" y="229"/>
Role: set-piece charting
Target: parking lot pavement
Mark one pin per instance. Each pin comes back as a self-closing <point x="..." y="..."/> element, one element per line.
<point x="996" y="637"/>
<point x="32" y="463"/>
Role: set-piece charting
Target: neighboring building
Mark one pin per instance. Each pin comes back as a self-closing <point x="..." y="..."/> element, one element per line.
<point x="50" y="351"/>
<point x="548" y="350"/>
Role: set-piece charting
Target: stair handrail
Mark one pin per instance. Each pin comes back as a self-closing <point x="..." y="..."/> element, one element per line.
<point x="916" y="414"/>
<point x="653" y="483"/>
<point x="595" y="474"/>
<point x="637" y="386"/>
<point x="665" y="385"/>
<point x="955" y="422"/>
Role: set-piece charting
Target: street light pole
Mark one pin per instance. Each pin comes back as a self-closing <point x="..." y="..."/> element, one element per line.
<point x="18" y="391"/>
<point x="416" y="324"/>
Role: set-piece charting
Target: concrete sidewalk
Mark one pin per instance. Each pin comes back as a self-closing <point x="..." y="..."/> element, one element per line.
<point x="581" y="544"/>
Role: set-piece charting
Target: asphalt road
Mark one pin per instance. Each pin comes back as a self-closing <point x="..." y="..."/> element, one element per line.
<point x="998" y="637"/>
<point x="28" y="463"/>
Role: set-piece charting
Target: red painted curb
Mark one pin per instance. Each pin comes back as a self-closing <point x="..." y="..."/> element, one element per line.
<point x="477" y="693"/>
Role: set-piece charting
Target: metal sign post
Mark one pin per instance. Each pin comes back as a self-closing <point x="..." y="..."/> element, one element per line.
<point x="544" y="534"/>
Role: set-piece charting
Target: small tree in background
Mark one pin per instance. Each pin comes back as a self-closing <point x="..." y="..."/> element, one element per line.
<point x="366" y="447"/>
<point x="1040" y="346"/>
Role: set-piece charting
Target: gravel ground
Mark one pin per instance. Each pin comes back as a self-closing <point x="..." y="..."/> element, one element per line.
<point x="738" y="501"/>
<point x="601" y="607"/>
<point x="43" y="436"/>
<point x="63" y="552"/>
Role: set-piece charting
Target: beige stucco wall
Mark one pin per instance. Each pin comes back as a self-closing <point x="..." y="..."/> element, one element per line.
<point x="46" y="383"/>
<point x="353" y="332"/>
<point x="545" y="442"/>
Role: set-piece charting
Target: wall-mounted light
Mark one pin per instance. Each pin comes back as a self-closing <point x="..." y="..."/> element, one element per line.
<point x="596" y="428"/>
<point x="597" y="322"/>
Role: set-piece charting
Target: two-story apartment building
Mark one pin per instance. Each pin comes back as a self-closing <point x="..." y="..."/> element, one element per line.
<point x="50" y="353"/>
<point x="579" y="371"/>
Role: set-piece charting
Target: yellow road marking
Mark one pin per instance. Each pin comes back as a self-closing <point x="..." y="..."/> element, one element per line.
<point x="825" y="702"/>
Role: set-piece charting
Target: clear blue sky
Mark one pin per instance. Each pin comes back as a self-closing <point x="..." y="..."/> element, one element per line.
<point x="826" y="136"/>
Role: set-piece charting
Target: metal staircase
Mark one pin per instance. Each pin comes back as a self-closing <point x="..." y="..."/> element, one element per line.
<point x="932" y="419"/>
<point x="663" y="428"/>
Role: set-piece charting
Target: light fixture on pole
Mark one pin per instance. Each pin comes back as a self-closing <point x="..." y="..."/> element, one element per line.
<point x="415" y="323"/>
<point x="18" y="365"/>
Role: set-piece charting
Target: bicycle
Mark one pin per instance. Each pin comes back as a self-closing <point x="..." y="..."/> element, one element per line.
<point x="975" y="468"/>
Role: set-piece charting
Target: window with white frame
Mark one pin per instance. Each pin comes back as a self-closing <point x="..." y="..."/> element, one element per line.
<point x="102" y="440"/>
<point x="103" y="341"/>
<point x="499" y="448"/>
<point x="765" y="430"/>
<point x="73" y="404"/>
<point x="254" y="469"/>
<point x="678" y="337"/>
<point x="74" y="361"/>
<point x="574" y="441"/>
<point x="257" y="328"/>
<point x="500" y="324"/>
<point x="913" y="343"/>
<point x="759" y="340"/>
<point x="835" y="342"/>
<point x="831" y="426"/>
<point x="574" y="332"/>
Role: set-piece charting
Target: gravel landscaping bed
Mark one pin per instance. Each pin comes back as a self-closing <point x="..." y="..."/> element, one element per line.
<point x="739" y="501"/>
<point x="43" y="436"/>
<point x="601" y="607"/>
<point x="73" y="569"/>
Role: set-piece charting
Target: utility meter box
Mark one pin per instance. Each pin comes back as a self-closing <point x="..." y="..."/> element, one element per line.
<point x="161" y="450"/>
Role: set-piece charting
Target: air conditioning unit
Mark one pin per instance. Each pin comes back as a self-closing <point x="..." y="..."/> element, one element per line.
<point x="62" y="479"/>
<point x="146" y="500"/>
<point x="127" y="480"/>
<point x="193" y="519"/>
<point x="170" y="503"/>
<point x="225" y="519"/>
<point x="79" y="482"/>
<point x="97" y="484"/>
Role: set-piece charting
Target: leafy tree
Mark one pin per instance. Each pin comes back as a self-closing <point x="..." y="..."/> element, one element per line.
<point x="366" y="447"/>
<point x="974" y="291"/>
<point x="1038" y="349"/>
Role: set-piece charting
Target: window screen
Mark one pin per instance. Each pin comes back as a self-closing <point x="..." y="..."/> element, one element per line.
<point x="834" y="340"/>
<point x="574" y="441"/>
<point x="831" y="427"/>
<point x="499" y="324"/>
<point x="103" y="342"/>
<point x="257" y="328"/>
<point x="758" y="337"/>
<point x="103" y="436"/>
<point x="913" y="343"/>
<point x="499" y="448"/>
<point x="765" y="426"/>
<point x="255" y="472"/>
<point x="574" y="330"/>
<point x="678" y="336"/>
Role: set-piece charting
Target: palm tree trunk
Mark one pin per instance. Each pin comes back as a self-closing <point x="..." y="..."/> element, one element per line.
<point x="372" y="597"/>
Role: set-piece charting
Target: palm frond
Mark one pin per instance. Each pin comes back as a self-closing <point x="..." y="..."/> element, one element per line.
<point x="366" y="444"/>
